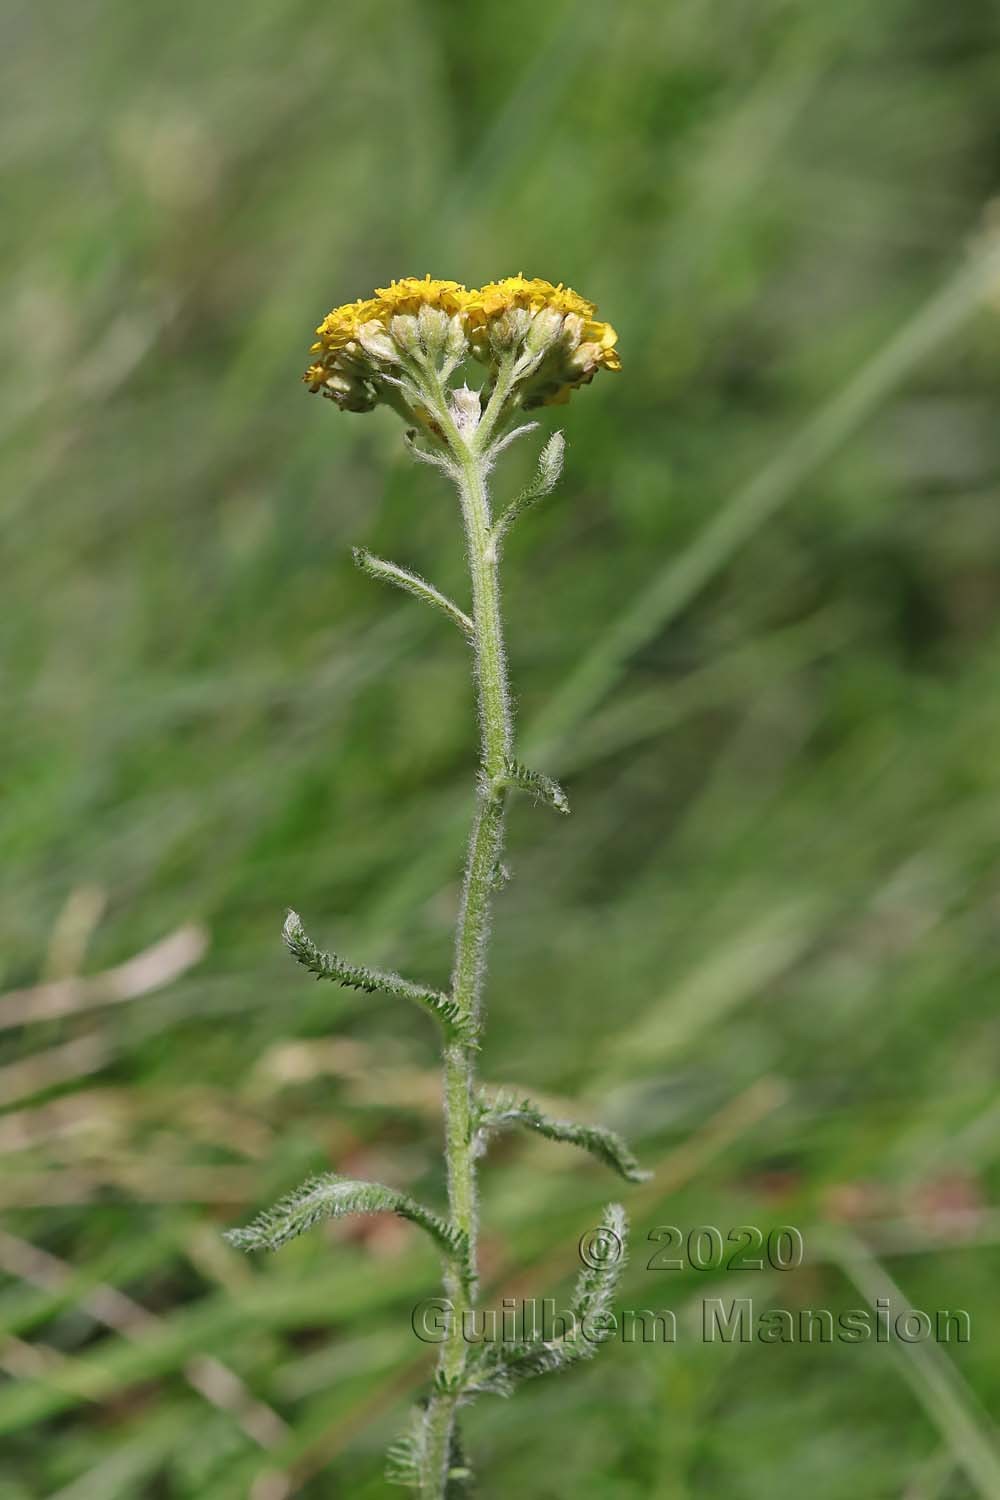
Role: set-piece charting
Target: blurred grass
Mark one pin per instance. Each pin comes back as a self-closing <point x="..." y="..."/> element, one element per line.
<point x="764" y="945"/>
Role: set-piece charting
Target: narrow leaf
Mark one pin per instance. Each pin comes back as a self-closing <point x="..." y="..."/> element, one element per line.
<point x="537" y="783"/>
<point x="495" y="449"/>
<point x="407" y="1460"/>
<point x="406" y="1456"/>
<point x="436" y="460"/>
<point x="330" y="1197"/>
<point x="506" y="1110"/>
<point x="412" y="583"/>
<point x="550" y="462"/>
<point x="597" y="1284"/>
<point x="357" y="977"/>
<point x="499" y="1367"/>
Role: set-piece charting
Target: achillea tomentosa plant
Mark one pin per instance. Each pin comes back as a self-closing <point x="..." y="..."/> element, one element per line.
<point x="403" y="348"/>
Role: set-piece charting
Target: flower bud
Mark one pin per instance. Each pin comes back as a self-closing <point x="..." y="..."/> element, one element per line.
<point x="546" y="327"/>
<point x="479" y="344"/>
<point x="353" y="359"/>
<point x="585" y="360"/>
<point x="377" y="344"/>
<point x="465" y="408"/>
<point x="572" y="330"/>
<point x="507" y="331"/>
<point x="455" y="344"/>
<point x="406" y="332"/>
<point x="350" y="393"/>
<point x="433" y="326"/>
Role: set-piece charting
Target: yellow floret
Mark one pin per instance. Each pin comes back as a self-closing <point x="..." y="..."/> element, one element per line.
<point x="341" y="325"/>
<point x="410" y="293"/>
<point x="605" y="337"/>
<point x="315" y="377"/>
<point x="532" y="293"/>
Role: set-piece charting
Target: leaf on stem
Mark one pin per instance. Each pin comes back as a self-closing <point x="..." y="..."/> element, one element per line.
<point x="330" y="1197"/>
<point x="406" y="1461"/>
<point x="412" y="583"/>
<point x="436" y="460"/>
<point x="536" y="782"/>
<point x="357" y="977"/>
<point x="546" y="478"/>
<point x="496" y="448"/>
<point x="505" y="1110"/>
<point x="498" y="1367"/>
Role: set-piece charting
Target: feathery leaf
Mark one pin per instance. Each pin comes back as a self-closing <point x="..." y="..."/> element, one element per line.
<point x="496" y="448"/>
<point x="406" y="1460"/>
<point x="424" y="456"/>
<point x="497" y="1367"/>
<point x="506" y="1110"/>
<point x="550" y="462"/>
<point x="330" y="1197"/>
<point x="412" y="583"/>
<point x="537" y="783"/>
<point x="357" y="977"/>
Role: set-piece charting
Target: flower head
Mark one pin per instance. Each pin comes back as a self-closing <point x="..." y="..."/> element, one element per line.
<point x="543" y="340"/>
<point x="557" y="341"/>
<point x="339" y="327"/>
<point x="360" y="344"/>
<point x="411" y="293"/>
<point x="518" y="291"/>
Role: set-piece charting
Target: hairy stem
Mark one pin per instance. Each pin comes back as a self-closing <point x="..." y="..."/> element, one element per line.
<point x="472" y="936"/>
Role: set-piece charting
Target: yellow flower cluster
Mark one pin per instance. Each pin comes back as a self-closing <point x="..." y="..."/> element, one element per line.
<point x="498" y="297"/>
<point x="342" y="325"/>
<point x="561" y="342"/>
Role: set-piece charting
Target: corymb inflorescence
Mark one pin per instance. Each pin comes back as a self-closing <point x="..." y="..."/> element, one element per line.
<point x="550" y="334"/>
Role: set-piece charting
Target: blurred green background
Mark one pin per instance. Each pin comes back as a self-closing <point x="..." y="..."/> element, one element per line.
<point x="755" y="634"/>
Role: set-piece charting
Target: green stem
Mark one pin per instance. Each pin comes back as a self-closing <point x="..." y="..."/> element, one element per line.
<point x="472" y="936"/>
<point x="497" y="401"/>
